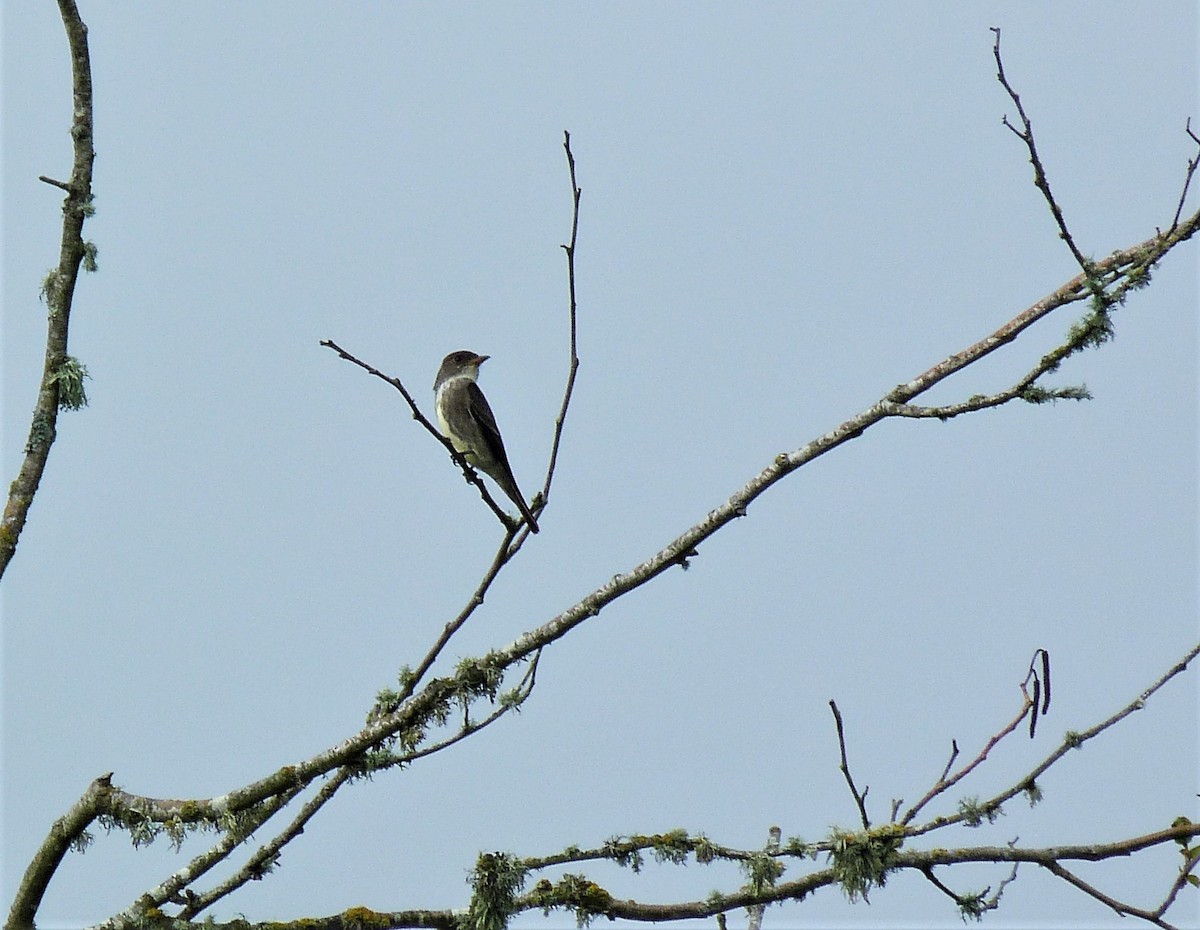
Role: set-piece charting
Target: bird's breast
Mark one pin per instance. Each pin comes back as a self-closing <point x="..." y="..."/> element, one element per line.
<point x="457" y="440"/>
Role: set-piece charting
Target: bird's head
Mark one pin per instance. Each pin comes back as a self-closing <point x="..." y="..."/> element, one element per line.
<point x="462" y="363"/>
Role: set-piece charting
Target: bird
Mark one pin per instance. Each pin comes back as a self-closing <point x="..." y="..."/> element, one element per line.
<point x="467" y="421"/>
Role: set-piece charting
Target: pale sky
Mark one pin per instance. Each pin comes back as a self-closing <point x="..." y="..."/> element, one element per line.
<point x="788" y="209"/>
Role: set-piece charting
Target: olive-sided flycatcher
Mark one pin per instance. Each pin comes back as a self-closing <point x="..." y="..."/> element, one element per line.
<point x="467" y="421"/>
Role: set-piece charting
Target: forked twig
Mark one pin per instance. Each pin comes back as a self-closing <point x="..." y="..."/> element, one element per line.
<point x="506" y="551"/>
<point x="1025" y="134"/>
<point x="859" y="799"/>
<point x="1187" y="179"/>
<point x="946" y="781"/>
<point x="1072" y="740"/>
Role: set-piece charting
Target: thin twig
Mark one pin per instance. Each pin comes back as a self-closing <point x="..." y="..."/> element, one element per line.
<point x="469" y="473"/>
<point x="1187" y="179"/>
<point x="573" y="364"/>
<point x="1180" y="880"/>
<point x="859" y="799"/>
<point x="950" y="761"/>
<point x="944" y="784"/>
<point x="975" y="905"/>
<point x="1039" y="172"/>
<point x="1119" y="907"/>
<point x="945" y="889"/>
<point x="505" y="552"/>
<point x="523" y="689"/>
<point x="1071" y="741"/>
<point x="61" y="185"/>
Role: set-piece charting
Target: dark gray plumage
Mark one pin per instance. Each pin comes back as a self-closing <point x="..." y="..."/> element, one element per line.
<point x="467" y="421"/>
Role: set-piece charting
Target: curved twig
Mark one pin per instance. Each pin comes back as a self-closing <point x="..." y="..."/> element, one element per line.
<point x="59" y="293"/>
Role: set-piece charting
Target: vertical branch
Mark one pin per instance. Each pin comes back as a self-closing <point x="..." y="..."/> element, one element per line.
<point x="58" y="290"/>
<point x="574" y="360"/>
<point x="859" y="799"/>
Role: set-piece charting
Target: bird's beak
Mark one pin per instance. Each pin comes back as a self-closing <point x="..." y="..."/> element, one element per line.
<point x="480" y="359"/>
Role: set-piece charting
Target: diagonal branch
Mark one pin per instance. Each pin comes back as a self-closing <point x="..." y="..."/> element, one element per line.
<point x="1072" y="740"/>
<point x="1029" y="707"/>
<point x="469" y="473"/>
<point x="263" y="859"/>
<point x="1025" y="134"/>
<point x="260" y="862"/>
<point x="175" y="888"/>
<point x="425" y="704"/>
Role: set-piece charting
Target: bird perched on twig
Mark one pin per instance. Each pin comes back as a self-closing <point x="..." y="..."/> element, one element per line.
<point x="467" y="421"/>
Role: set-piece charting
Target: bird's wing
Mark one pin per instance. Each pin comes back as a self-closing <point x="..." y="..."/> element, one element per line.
<point x="483" y="415"/>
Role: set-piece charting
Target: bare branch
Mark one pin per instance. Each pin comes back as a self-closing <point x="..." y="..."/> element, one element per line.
<point x="573" y="364"/>
<point x="469" y="473"/>
<point x="1184" y="877"/>
<point x="943" y="784"/>
<point x="859" y="799"/>
<point x="1187" y="178"/>
<point x="1072" y="740"/>
<point x="58" y="290"/>
<point x="506" y="552"/>
<point x="503" y="554"/>
<point x="1120" y="907"/>
<point x="263" y="859"/>
<point x="1025" y="134"/>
